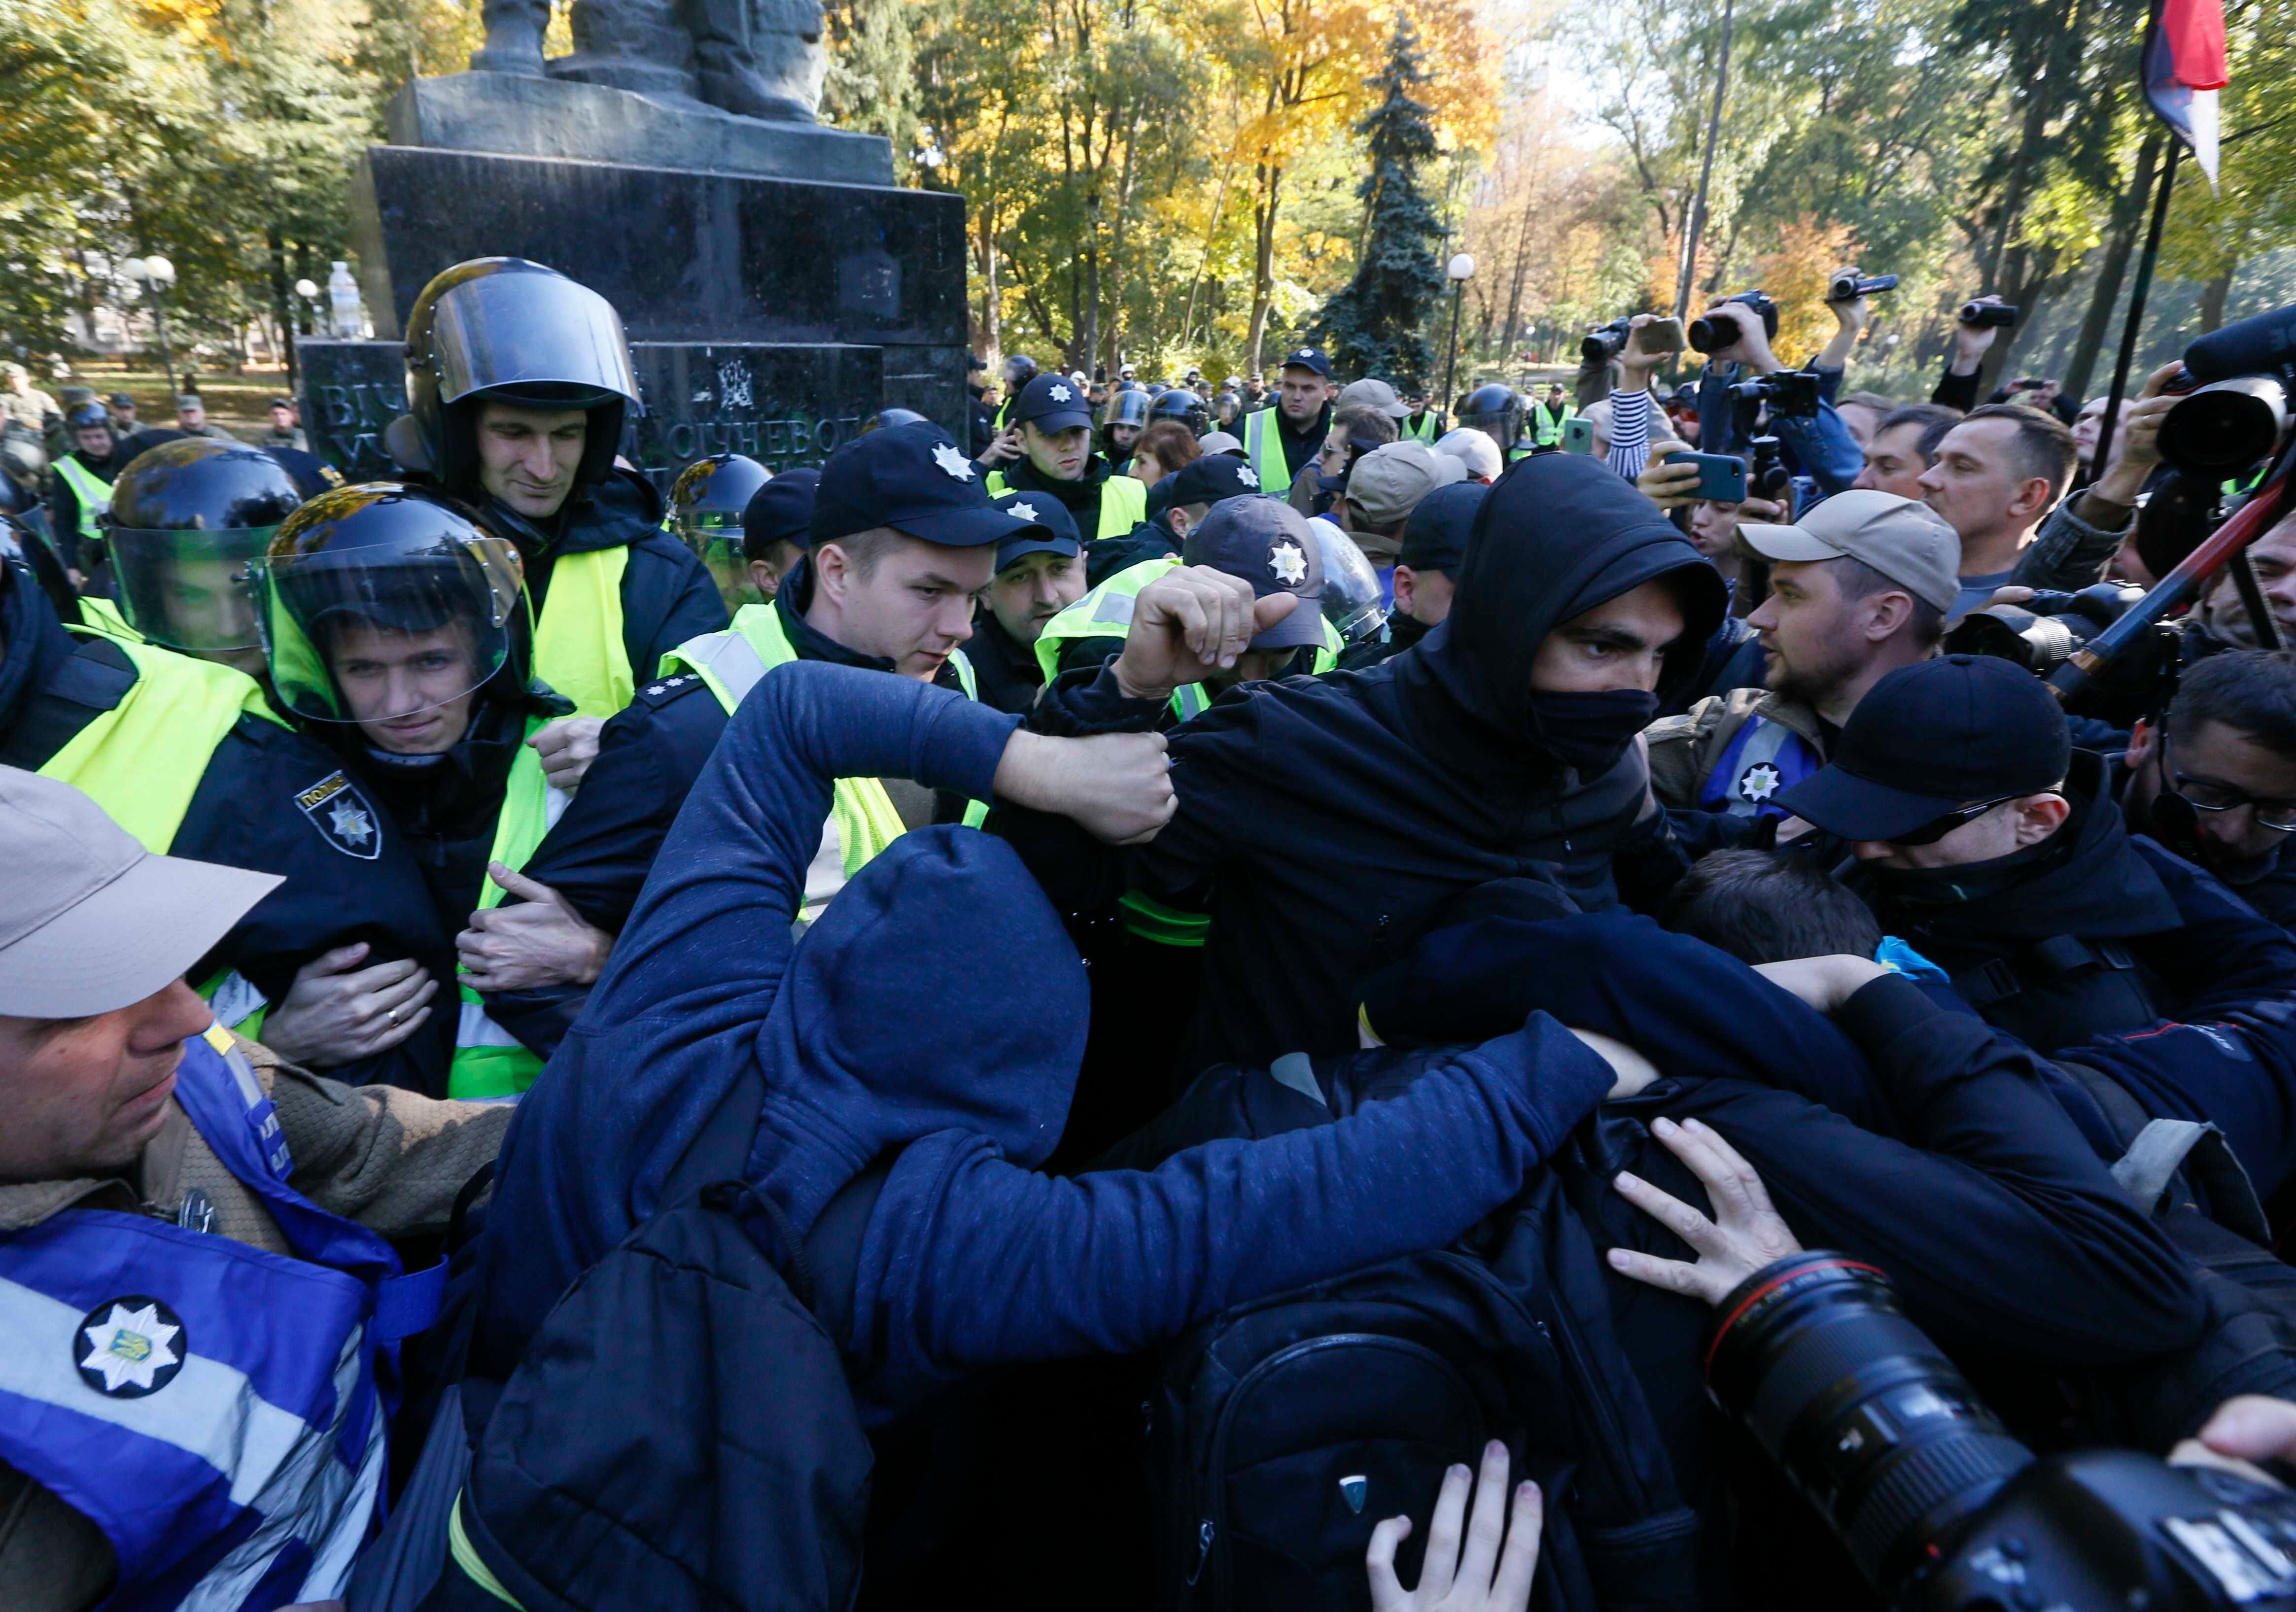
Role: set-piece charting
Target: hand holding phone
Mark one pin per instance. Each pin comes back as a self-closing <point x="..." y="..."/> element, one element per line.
<point x="1721" y="476"/>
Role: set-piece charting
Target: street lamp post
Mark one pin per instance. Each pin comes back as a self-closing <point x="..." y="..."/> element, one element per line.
<point x="1459" y="271"/>
<point x="155" y="274"/>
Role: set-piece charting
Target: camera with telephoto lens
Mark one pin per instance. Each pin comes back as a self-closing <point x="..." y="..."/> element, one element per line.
<point x="1939" y="1506"/>
<point x="1709" y="335"/>
<point x="1605" y="342"/>
<point x="2041" y="634"/>
<point x="1852" y="283"/>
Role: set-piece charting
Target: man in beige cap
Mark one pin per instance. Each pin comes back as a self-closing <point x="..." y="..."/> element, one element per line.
<point x="1858" y="588"/>
<point x="1385" y="486"/>
<point x="193" y="1272"/>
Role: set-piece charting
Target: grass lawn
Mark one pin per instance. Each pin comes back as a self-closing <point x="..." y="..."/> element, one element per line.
<point x="237" y="403"/>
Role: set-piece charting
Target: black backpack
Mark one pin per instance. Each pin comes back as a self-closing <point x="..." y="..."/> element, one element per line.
<point x="1281" y="1431"/>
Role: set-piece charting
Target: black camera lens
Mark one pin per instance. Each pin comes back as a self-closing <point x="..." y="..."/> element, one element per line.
<point x="1601" y="346"/>
<point x="1869" y="1420"/>
<point x="2226" y="427"/>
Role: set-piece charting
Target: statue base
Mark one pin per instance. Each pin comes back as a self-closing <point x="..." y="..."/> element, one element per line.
<point x="515" y="116"/>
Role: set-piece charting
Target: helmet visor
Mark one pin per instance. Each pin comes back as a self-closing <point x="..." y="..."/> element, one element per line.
<point x="728" y="565"/>
<point x="386" y="632"/>
<point x="188" y="590"/>
<point x="537" y="335"/>
<point x="1352" y="601"/>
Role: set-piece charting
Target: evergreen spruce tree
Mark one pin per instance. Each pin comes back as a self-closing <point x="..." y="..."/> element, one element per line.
<point x="1375" y="325"/>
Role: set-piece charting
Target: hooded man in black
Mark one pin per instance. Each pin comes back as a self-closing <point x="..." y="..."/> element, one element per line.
<point x="1322" y="820"/>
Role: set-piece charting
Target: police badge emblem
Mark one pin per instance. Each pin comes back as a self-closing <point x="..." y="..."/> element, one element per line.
<point x="135" y="1345"/>
<point x="1759" y="781"/>
<point x="342" y="816"/>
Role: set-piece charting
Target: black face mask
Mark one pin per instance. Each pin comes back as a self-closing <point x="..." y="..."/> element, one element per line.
<point x="1589" y="733"/>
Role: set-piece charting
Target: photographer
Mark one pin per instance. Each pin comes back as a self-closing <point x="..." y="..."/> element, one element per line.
<point x="1821" y="442"/>
<point x="1634" y="404"/>
<point x="1956" y="389"/>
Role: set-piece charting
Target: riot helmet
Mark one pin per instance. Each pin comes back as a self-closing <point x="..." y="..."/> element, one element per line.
<point x="513" y="332"/>
<point x="381" y="603"/>
<point x="1127" y="407"/>
<point x="20" y="542"/>
<point x="185" y="520"/>
<point x="23" y="456"/>
<point x="1183" y="405"/>
<point x="1495" y="411"/>
<point x="883" y="418"/>
<point x="706" y="505"/>
<point x="90" y="417"/>
<point x="1352" y="601"/>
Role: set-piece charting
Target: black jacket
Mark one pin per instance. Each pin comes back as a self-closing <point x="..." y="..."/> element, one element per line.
<point x="1322" y="820"/>
<point x="2089" y="933"/>
<point x="598" y="853"/>
<point x="2268" y="883"/>
<point x="667" y="597"/>
<point x="342" y="886"/>
<point x="1401" y="632"/>
<point x="1004" y="669"/>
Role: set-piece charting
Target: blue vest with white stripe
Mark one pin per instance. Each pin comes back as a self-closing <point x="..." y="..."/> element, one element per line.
<point x="1763" y="757"/>
<point x="214" y="1408"/>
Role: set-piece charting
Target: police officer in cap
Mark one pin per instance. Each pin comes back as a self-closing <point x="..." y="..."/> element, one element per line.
<point x="1279" y="442"/>
<point x="397" y="632"/>
<point x="777" y="527"/>
<point x="84" y="476"/>
<point x="1426" y="572"/>
<point x="707" y="502"/>
<point x="1121" y="425"/>
<point x="1039" y="573"/>
<point x="902" y="537"/>
<point x="519" y="382"/>
<point x="204" y="1309"/>
<point x="335" y="967"/>
<point x="1548" y="416"/>
<point x="1497" y="413"/>
<point x="1048" y="451"/>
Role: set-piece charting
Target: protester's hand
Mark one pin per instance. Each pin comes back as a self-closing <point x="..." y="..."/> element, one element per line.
<point x="1823" y="983"/>
<point x="1004" y="449"/>
<point x="337" y="1012"/>
<point x="1489" y="1571"/>
<point x="1748" y="1235"/>
<point x="2246" y="1429"/>
<point x="1189" y="623"/>
<point x="1970" y="341"/>
<point x="1667" y="484"/>
<point x="1118" y="785"/>
<point x="1762" y="512"/>
<point x="1640" y="367"/>
<point x="1850" y="313"/>
<point x="2126" y="471"/>
<point x="567" y="747"/>
<point x="1752" y="347"/>
<point x="2011" y="595"/>
<point x="541" y="941"/>
<point x="1632" y="1070"/>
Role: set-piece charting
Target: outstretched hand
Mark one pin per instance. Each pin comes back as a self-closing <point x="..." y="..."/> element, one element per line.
<point x="1489" y="1571"/>
<point x="1747" y="1234"/>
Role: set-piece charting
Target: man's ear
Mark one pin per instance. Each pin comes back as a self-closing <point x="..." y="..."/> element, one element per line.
<point x="1406" y="588"/>
<point x="2039" y="816"/>
<point x="2032" y="498"/>
<point x="832" y="572"/>
<point x="1885" y="612"/>
<point x="2142" y="738"/>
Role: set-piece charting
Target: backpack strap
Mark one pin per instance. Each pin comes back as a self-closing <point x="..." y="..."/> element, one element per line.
<point x="2155" y="1152"/>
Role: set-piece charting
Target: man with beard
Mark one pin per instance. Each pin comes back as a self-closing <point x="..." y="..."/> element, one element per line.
<point x="1858" y="588"/>
<point x="2214" y="777"/>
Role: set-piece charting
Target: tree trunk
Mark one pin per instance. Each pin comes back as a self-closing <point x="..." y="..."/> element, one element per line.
<point x="282" y="308"/>
<point x="2212" y="298"/>
<point x="1263" y="279"/>
<point x="2120" y="241"/>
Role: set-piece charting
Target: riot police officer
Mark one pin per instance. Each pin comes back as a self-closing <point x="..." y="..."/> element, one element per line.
<point x="1121" y="425"/>
<point x="1497" y="413"/>
<point x="1050" y="452"/>
<point x="519" y="382"/>
<point x="1183" y="405"/>
<point x="396" y="630"/>
<point x="185" y="520"/>
<point x="707" y="504"/>
<point x="1015" y="373"/>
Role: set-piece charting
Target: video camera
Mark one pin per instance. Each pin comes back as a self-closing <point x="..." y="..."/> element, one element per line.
<point x="1851" y="283"/>
<point x="2000" y="315"/>
<point x="1791" y="392"/>
<point x="1708" y="335"/>
<point x="1605" y="342"/>
<point x="1940" y="1507"/>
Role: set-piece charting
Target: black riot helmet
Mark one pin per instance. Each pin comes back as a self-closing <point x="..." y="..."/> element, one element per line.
<point x="186" y="520"/>
<point x="1126" y="406"/>
<point x="1494" y="409"/>
<point x="1183" y="405"/>
<point x="514" y="331"/>
<point x="385" y="566"/>
<point x="883" y="418"/>
<point x="706" y="505"/>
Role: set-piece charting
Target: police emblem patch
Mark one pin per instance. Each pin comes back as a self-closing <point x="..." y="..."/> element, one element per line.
<point x="1759" y="781"/>
<point x="1060" y="394"/>
<point x="1247" y="475"/>
<point x="342" y="816"/>
<point x="952" y="461"/>
<point x="1026" y="511"/>
<point x="134" y="1347"/>
<point x="1288" y="561"/>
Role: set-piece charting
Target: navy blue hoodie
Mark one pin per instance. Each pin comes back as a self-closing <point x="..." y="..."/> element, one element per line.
<point x="938" y="1006"/>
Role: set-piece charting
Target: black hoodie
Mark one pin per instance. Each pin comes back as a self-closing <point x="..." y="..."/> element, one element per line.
<point x="1322" y="820"/>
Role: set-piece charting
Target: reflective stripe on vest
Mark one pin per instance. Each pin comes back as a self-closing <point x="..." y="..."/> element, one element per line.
<point x="1428" y="429"/>
<point x="1762" y="759"/>
<point x="92" y="491"/>
<point x="490" y="1061"/>
<point x="209" y="1406"/>
<point x="577" y="644"/>
<point x="1263" y="448"/>
<point x="1123" y="503"/>
<point x="141" y="761"/>
<point x="862" y="821"/>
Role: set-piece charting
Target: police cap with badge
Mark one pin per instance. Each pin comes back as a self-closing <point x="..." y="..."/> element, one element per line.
<point x="1050" y="529"/>
<point x="1265" y="542"/>
<point x="1309" y="359"/>
<point x="1052" y="404"/>
<point x="1212" y="478"/>
<point x="915" y="479"/>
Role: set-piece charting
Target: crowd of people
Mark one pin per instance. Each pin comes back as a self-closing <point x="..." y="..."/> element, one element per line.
<point x="1177" y="996"/>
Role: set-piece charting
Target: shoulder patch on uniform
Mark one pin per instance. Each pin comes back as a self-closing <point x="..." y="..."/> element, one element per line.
<point x="342" y="816"/>
<point x="1759" y="781"/>
<point x="662" y="691"/>
<point x="134" y="1345"/>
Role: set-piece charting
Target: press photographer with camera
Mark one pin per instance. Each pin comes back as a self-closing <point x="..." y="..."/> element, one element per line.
<point x="1735" y="335"/>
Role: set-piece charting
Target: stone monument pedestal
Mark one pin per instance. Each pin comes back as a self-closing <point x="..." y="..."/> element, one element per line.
<point x="776" y="287"/>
